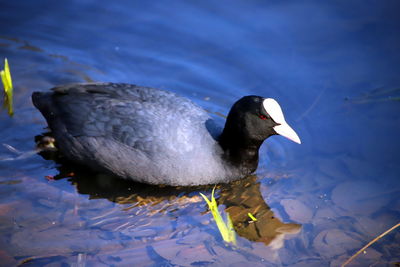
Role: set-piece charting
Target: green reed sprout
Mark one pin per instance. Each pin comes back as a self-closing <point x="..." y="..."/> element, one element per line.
<point x="8" y="87"/>
<point x="254" y="219"/>
<point x="225" y="228"/>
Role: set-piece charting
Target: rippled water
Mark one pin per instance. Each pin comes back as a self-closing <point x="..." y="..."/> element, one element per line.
<point x="332" y="66"/>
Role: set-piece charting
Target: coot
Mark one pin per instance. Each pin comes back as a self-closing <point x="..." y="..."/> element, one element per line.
<point x="157" y="137"/>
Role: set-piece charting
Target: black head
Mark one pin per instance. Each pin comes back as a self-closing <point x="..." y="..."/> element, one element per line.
<point x="255" y="118"/>
<point x="251" y="120"/>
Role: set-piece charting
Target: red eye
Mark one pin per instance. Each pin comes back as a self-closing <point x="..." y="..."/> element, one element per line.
<point x="263" y="117"/>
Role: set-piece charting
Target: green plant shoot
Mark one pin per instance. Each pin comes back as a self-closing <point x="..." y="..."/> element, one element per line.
<point x="254" y="219"/>
<point x="225" y="228"/>
<point x="8" y="87"/>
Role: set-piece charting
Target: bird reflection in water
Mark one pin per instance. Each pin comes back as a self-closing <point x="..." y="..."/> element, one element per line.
<point x="243" y="197"/>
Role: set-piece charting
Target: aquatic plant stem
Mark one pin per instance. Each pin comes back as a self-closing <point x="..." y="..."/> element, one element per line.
<point x="8" y="87"/>
<point x="369" y="244"/>
<point x="226" y="229"/>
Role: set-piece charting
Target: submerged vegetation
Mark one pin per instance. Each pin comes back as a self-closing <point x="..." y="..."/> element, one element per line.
<point x="8" y="88"/>
<point x="377" y="95"/>
<point x="225" y="228"/>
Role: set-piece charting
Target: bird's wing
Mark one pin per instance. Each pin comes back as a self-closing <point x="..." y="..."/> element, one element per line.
<point x="143" y="118"/>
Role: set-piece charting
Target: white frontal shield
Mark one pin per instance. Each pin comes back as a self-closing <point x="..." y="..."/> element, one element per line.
<point x="274" y="110"/>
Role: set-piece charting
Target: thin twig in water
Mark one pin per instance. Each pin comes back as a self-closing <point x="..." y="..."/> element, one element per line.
<point x="369" y="244"/>
<point x="12" y="149"/>
<point x="312" y="105"/>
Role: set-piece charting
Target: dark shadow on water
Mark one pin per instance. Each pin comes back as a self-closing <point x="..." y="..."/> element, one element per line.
<point x="239" y="199"/>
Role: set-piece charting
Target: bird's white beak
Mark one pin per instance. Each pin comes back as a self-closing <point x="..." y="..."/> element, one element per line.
<point x="274" y="110"/>
<point x="287" y="131"/>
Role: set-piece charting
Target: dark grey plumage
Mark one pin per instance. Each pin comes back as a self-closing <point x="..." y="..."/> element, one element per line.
<point x="139" y="133"/>
<point x="154" y="136"/>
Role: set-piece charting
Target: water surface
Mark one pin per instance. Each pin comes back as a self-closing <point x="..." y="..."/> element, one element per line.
<point x="332" y="66"/>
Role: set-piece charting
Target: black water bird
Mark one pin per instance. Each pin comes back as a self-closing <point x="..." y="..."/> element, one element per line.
<point x="155" y="136"/>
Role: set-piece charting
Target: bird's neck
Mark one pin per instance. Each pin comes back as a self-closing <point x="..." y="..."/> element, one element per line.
<point x="240" y="150"/>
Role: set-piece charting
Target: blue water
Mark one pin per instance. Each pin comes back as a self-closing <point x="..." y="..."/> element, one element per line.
<point x="333" y="67"/>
